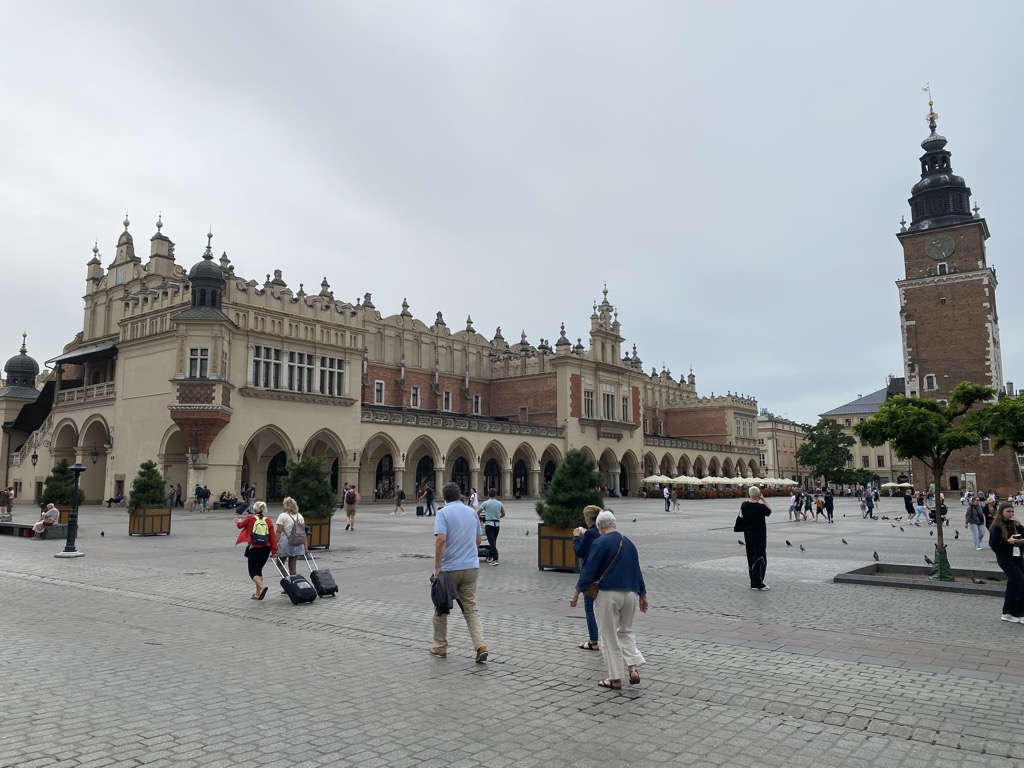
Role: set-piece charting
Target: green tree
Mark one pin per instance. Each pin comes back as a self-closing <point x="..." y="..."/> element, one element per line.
<point x="59" y="486"/>
<point x="148" y="489"/>
<point x="930" y="432"/>
<point x="859" y="476"/>
<point x="827" y="450"/>
<point x="575" y="484"/>
<point x="308" y="483"/>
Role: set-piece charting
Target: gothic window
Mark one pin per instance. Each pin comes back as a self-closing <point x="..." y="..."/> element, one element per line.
<point x="414" y="397"/>
<point x="477" y="405"/>
<point x="929" y="382"/>
<point x="378" y="392"/>
<point x="447" y="401"/>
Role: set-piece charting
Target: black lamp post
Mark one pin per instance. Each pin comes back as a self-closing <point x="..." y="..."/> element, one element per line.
<point x="35" y="458"/>
<point x="69" y="546"/>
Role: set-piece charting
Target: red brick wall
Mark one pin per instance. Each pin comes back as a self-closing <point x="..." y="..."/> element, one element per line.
<point x="637" y="412"/>
<point x="997" y="472"/>
<point x="575" y="396"/>
<point x="538" y="394"/>
<point x="706" y="424"/>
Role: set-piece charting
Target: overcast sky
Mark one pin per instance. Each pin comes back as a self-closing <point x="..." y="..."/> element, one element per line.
<point x="735" y="171"/>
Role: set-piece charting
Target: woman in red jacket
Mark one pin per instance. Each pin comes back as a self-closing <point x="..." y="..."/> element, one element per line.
<point x="258" y="534"/>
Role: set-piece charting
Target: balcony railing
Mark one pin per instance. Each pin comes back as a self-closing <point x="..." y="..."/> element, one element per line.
<point x="104" y="391"/>
<point x="454" y="421"/>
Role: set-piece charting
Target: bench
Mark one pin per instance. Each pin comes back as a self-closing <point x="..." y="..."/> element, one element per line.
<point x="24" y="530"/>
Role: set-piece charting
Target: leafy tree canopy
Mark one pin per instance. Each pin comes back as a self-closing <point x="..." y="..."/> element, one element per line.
<point x="827" y="450"/>
<point x="59" y="486"/>
<point x="929" y="431"/>
<point x="308" y="483"/>
<point x="148" y="489"/>
<point x="575" y="484"/>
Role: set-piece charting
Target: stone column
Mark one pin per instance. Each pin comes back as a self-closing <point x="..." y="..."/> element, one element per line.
<point x="474" y="478"/>
<point x="400" y="482"/>
<point x="534" y="485"/>
<point x="438" y="484"/>
<point x="506" y="484"/>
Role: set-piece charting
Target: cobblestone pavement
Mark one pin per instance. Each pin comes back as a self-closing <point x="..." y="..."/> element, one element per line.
<point x="148" y="651"/>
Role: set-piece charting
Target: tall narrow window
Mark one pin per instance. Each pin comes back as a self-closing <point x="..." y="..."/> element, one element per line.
<point x="477" y="405"/>
<point x="198" y="362"/>
<point x="588" y="404"/>
<point x="414" y="397"/>
<point x="607" y="406"/>
<point x="625" y="408"/>
<point x="447" y="401"/>
<point x="378" y="392"/>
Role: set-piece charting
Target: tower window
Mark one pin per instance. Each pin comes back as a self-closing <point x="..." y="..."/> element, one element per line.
<point x="943" y="269"/>
<point x="929" y="382"/>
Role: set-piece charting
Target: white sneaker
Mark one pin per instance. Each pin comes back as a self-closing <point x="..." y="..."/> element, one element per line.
<point x="494" y="562"/>
<point x="1011" y="619"/>
<point x="978" y="549"/>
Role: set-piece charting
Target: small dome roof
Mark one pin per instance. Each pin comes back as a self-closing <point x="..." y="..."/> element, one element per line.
<point x="22" y="369"/>
<point x="207" y="268"/>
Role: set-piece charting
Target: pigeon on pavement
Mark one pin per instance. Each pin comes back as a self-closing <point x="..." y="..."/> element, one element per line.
<point x="929" y="560"/>
<point x="956" y="534"/>
<point x="875" y="555"/>
<point x="802" y="548"/>
<point x="845" y="541"/>
<point x="789" y="543"/>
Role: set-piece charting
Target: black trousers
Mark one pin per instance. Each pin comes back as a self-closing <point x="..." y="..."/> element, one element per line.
<point x="757" y="557"/>
<point x="492" y="539"/>
<point x="257" y="557"/>
<point x="1013" y="601"/>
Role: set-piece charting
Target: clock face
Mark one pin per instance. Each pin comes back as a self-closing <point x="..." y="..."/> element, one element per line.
<point x="940" y="246"/>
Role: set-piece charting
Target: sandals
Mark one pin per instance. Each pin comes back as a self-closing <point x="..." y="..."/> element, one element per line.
<point x="612" y="685"/>
<point x="589" y="646"/>
<point x="263" y="593"/>
<point x="634" y="676"/>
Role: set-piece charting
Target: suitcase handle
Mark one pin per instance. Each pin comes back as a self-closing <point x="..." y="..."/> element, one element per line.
<point x="281" y="567"/>
<point x="310" y="561"/>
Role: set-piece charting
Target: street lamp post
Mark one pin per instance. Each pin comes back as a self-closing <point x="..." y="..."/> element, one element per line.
<point x="69" y="546"/>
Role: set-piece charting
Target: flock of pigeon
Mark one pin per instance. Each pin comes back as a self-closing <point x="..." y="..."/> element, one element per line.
<point x="875" y="555"/>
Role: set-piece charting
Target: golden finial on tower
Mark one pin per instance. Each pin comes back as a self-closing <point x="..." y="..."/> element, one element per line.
<point x="932" y="115"/>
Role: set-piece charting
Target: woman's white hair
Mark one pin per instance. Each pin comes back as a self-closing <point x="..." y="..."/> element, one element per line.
<point x="605" y="519"/>
<point x="259" y="508"/>
<point x="754" y="493"/>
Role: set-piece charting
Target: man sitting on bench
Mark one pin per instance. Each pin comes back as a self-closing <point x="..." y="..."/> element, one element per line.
<point x="115" y="500"/>
<point x="47" y="517"/>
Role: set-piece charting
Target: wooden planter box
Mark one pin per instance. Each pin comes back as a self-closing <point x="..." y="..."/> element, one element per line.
<point x="65" y="513"/>
<point x="318" y="532"/>
<point x="554" y="549"/>
<point x="149" y="521"/>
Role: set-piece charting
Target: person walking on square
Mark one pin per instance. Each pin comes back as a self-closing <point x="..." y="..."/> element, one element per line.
<point x="920" y="510"/>
<point x="755" y="536"/>
<point x="456" y="559"/>
<point x="177" y="496"/>
<point x="261" y="544"/>
<point x="614" y="564"/>
<point x="582" y="539"/>
<point x="474" y="499"/>
<point x="869" y="503"/>
<point x="493" y="510"/>
<point x="830" y="503"/>
<point x="349" y="501"/>
<point x="974" y="519"/>
<point x="170" y="497"/>
<point x="1006" y="538"/>
<point x="428" y="497"/>
<point x="665" y="496"/>
<point x="5" y="500"/>
<point x="674" y="498"/>
<point x="807" y="504"/>
<point x="908" y="503"/>
<point x="399" y="498"/>
<point x="291" y="533"/>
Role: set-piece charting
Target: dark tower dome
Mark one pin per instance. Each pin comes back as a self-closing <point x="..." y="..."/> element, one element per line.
<point x="207" y="278"/>
<point x="22" y="369"/>
<point x="940" y="198"/>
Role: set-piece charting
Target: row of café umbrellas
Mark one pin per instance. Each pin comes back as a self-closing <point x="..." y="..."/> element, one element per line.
<point x="688" y="480"/>
<point x="897" y="485"/>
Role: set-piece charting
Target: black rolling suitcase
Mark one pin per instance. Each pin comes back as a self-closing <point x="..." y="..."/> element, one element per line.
<point x="419" y="511"/>
<point x="298" y="587"/>
<point x="322" y="580"/>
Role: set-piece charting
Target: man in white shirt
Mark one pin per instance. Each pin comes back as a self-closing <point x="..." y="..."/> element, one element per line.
<point x="456" y="553"/>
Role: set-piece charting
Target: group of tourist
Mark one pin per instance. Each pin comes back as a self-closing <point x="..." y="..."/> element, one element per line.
<point x="821" y="504"/>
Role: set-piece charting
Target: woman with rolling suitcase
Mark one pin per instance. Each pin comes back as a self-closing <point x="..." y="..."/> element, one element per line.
<point x="261" y="544"/>
<point x="291" y="533"/>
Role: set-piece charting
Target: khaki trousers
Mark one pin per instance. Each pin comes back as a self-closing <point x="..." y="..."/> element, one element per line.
<point x="614" y="610"/>
<point x="465" y="588"/>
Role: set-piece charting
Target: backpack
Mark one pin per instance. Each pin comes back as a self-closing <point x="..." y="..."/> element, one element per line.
<point x="260" y="531"/>
<point x="297" y="535"/>
<point x="401" y="495"/>
<point x="350" y="498"/>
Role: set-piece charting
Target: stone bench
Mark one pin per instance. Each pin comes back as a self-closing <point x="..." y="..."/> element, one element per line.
<point x="24" y="530"/>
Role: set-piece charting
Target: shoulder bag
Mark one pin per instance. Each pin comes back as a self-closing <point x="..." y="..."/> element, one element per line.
<point x="742" y="524"/>
<point x="594" y="588"/>
<point x="297" y="534"/>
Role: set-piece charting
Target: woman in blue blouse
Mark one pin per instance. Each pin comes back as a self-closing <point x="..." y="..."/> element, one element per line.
<point x="582" y="538"/>
<point x="615" y="563"/>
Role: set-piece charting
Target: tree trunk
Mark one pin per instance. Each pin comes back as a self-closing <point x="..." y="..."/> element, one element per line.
<point x="940" y="570"/>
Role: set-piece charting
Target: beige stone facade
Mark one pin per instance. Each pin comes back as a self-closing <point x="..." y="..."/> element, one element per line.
<point x="778" y="439"/>
<point x="222" y="379"/>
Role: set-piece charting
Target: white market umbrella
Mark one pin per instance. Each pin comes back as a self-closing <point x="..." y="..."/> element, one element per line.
<point x="891" y="485"/>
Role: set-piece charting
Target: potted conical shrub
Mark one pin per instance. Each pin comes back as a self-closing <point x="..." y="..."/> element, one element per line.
<point x="59" y="490"/>
<point x="575" y="484"/>
<point x="148" y="511"/>
<point x="307" y="482"/>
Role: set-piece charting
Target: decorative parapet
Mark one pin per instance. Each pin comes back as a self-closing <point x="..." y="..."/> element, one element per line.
<point x="105" y="391"/>
<point x="399" y="417"/>
<point x="693" y="445"/>
<point x="288" y="396"/>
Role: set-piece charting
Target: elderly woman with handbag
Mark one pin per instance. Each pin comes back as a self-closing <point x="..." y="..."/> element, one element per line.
<point x="612" y="577"/>
<point x="751" y="523"/>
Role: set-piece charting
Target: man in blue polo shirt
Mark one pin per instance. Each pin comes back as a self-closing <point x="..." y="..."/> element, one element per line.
<point x="456" y="547"/>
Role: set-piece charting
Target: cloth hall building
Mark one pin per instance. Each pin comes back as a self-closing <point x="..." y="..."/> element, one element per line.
<point x="222" y="379"/>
